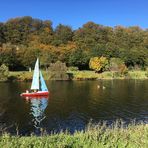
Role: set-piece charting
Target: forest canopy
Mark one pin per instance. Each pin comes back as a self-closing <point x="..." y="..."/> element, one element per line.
<point x="23" y="39"/>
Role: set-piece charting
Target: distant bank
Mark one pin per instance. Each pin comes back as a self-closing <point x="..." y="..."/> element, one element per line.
<point x="80" y="75"/>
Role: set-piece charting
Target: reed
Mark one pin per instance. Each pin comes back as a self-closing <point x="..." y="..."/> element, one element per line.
<point x="95" y="136"/>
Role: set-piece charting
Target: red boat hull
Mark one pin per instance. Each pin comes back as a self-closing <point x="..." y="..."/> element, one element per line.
<point x="36" y="94"/>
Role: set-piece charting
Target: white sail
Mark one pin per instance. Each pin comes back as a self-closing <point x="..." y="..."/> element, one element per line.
<point x="35" y="81"/>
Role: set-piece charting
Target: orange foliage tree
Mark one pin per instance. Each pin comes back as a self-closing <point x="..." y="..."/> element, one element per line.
<point x="99" y="64"/>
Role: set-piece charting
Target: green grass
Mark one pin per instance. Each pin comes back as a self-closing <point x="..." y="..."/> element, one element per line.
<point x="82" y="75"/>
<point x="78" y="75"/>
<point x="134" y="136"/>
<point x="138" y="74"/>
<point x="24" y="75"/>
<point x="86" y="75"/>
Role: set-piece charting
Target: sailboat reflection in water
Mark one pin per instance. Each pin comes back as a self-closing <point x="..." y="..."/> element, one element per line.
<point x="38" y="106"/>
<point x="37" y="110"/>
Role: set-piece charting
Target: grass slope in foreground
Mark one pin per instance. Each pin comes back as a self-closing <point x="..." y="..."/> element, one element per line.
<point x="135" y="136"/>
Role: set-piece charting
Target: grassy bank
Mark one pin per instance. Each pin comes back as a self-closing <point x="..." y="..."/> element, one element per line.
<point x="82" y="75"/>
<point x="92" y="137"/>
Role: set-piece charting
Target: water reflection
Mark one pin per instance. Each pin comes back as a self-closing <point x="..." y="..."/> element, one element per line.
<point x="37" y="110"/>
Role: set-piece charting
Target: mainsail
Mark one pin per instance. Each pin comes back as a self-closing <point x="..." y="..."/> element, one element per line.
<point x="35" y="81"/>
<point x="43" y="84"/>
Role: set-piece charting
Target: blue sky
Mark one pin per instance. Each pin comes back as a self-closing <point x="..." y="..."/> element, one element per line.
<point x="77" y="12"/>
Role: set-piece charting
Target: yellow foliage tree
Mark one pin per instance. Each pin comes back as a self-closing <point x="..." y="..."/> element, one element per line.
<point x="99" y="64"/>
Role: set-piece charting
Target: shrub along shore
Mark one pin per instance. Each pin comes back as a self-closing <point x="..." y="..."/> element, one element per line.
<point x="80" y="75"/>
<point x="132" y="136"/>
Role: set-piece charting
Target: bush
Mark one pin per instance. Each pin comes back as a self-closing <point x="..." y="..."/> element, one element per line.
<point x="115" y="64"/>
<point x="4" y="72"/>
<point x="58" y="71"/>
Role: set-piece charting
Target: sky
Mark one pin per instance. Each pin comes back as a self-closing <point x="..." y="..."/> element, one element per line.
<point x="75" y="13"/>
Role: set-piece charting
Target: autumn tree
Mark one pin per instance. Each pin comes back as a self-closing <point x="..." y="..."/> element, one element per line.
<point x="22" y="38"/>
<point x="99" y="64"/>
<point x="46" y="32"/>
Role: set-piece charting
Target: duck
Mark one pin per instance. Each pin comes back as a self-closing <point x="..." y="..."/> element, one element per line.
<point x="98" y="86"/>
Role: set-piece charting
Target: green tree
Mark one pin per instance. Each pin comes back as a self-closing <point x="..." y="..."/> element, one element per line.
<point x="79" y="58"/>
<point x="45" y="58"/>
<point x="8" y="56"/>
<point x="62" y="35"/>
<point x="2" y="37"/>
<point x="28" y="57"/>
<point x="87" y="36"/>
<point x="19" y="30"/>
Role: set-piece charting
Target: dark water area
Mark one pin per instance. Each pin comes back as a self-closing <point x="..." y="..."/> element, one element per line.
<point x="71" y="105"/>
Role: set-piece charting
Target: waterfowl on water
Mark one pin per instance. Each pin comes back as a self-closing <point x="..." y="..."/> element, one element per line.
<point x="98" y="86"/>
<point x="104" y="87"/>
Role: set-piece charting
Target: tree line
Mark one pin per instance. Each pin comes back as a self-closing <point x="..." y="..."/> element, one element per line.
<point x="23" y="39"/>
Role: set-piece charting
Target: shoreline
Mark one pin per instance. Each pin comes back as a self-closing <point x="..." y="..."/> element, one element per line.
<point x="84" y="75"/>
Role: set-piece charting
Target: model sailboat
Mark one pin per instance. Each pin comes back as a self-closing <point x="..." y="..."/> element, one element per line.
<point x="38" y="85"/>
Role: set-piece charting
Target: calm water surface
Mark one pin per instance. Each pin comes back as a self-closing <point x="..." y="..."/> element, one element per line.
<point x="71" y="105"/>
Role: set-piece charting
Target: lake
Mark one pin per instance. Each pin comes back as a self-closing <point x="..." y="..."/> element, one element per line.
<point x="72" y="105"/>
